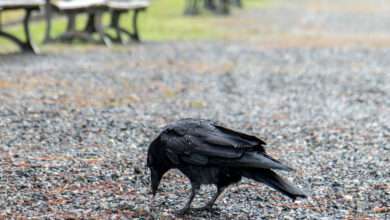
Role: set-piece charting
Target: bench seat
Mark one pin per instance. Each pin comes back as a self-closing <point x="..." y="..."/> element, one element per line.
<point x="19" y="4"/>
<point x="127" y="5"/>
<point x="79" y="5"/>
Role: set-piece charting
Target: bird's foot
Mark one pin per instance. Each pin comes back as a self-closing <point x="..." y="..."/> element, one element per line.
<point x="208" y="208"/>
<point x="182" y="211"/>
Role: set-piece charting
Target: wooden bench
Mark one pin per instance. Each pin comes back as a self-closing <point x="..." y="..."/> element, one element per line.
<point x="118" y="8"/>
<point x="95" y="10"/>
<point x="28" y="6"/>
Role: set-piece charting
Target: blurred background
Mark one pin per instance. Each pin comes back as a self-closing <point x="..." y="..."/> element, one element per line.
<point x="163" y="21"/>
<point x="310" y="77"/>
<point x="317" y="24"/>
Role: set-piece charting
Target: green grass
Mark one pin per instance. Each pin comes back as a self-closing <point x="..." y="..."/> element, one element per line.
<point x="163" y="21"/>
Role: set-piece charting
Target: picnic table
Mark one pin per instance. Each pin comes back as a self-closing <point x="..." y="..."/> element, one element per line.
<point x="28" y="6"/>
<point x="95" y="9"/>
<point x="71" y="9"/>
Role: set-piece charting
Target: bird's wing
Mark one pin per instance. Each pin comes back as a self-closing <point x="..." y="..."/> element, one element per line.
<point x="227" y="137"/>
<point x="188" y="145"/>
<point x="251" y="160"/>
<point x="220" y="147"/>
<point x="212" y="133"/>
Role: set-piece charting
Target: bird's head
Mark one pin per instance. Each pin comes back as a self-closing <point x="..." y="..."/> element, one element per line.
<point x="157" y="163"/>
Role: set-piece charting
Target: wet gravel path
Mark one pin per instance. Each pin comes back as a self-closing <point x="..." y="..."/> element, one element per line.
<point x="74" y="128"/>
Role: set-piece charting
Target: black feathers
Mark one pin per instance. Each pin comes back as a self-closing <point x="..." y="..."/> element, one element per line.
<point x="208" y="153"/>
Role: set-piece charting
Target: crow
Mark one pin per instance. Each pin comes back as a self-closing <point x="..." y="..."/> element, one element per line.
<point x="208" y="153"/>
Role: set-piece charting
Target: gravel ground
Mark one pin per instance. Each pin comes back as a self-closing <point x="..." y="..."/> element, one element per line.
<point x="74" y="128"/>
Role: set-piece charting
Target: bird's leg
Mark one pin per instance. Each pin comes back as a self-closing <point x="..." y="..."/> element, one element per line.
<point x="194" y="190"/>
<point x="210" y="203"/>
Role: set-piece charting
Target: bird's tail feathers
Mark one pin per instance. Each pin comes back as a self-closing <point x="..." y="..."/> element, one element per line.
<point x="254" y="160"/>
<point x="275" y="181"/>
<point x="257" y="160"/>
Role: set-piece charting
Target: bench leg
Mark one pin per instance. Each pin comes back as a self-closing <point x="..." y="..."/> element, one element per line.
<point x="225" y="7"/>
<point x="90" y="26"/>
<point x="95" y="25"/>
<point x="210" y="5"/>
<point x="239" y="3"/>
<point x="28" y="45"/>
<point x="135" y="35"/>
<point x="99" y="28"/>
<point x="69" y="35"/>
<point x="12" y="38"/>
<point x="48" y="18"/>
<point x="115" y="23"/>
<point x="191" y="7"/>
<point x="71" y="26"/>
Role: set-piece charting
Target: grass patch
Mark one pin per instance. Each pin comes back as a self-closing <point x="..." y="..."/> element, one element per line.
<point x="163" y="21"/>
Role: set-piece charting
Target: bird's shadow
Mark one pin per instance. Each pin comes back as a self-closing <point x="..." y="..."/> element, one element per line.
<point x="160" y="207"/>
<point x="208" y="214"/>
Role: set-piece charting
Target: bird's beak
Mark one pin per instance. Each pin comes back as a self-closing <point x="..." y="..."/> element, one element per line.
<point x="153" y="193"/>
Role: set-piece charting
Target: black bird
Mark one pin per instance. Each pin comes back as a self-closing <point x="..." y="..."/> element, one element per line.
<point x="208" y="153"/>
